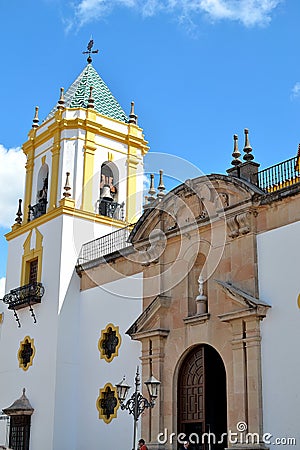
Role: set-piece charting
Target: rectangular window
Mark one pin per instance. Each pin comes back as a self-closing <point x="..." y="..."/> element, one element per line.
<point x="33" y="271"/>
<point x="19" y="432"/>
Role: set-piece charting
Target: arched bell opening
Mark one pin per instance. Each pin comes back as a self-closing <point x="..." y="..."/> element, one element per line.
<point x="40" y="207"/>
<point x="109" y="184"/>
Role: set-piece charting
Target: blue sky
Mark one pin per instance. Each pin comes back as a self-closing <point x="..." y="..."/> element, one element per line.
<point x="198" y="70"/>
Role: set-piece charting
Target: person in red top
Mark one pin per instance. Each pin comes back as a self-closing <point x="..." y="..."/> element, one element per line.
<point x="142" y="445"/>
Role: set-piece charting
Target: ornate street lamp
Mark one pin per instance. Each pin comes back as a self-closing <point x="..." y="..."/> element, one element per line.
<point x="137" y="403"/>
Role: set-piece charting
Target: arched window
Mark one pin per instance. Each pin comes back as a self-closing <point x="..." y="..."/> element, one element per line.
<point x="108" y="203"/>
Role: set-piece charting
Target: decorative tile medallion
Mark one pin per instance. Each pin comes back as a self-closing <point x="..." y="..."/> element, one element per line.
<point x="107" y="403"/>
<point x="109" y="342"/>
<point x="26" y="353"/>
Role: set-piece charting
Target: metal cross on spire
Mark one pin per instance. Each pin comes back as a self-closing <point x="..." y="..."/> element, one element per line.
<point x="90" y="51"/>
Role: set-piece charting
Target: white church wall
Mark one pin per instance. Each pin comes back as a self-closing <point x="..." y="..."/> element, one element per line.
<point x="44" y="126"/>
<point x="67" y="164"/>
<point x="278" y="268"/>
<point x="55" y="329"/>
<point x="43" y="148"/>
<point x="110" y="144"/>
<point x="118" y="303"/>
<point x="140" y="188"/>
<point x="112" y="124"/>
<point x="71" y="160"/>
<point x="68" y="359"/>
<point x="38" y="379"/>
<point x="14" y="262"/>
<point x="78" y="169"/>
<point x="75" y="232"/>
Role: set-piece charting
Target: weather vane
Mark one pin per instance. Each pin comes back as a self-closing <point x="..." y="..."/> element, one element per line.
<point x="90" y="51"/>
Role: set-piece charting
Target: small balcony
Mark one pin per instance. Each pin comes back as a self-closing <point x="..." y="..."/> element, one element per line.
<point x="37" y="210"/>
<point x="279" y="176"/>
<point x="24" y="296"/>
<point x="110" y="244"/>
<point x="111" y="209"/>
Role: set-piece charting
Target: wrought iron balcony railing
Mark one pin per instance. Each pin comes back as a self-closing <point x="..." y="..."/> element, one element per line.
<point x="105" y="245"/>
<point x="111" y="209"/>
<point x="278" y="176"/>
<point x="24" y="296"/>
<point x="37" y="210"/>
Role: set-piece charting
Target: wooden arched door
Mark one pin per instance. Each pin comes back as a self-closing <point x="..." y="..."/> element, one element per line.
<point x="202" y="398"/>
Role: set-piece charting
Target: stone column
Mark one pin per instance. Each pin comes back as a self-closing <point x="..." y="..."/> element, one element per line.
<point x="253" y="351"/>
<point x="237" y="399"/>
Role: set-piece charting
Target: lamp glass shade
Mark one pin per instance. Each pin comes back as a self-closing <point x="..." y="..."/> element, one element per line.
<point x="152" y="386"/>
<point x="122" y="390"/>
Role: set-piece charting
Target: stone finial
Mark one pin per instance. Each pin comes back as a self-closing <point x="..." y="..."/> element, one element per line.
<point x="132" y="115"/>
<point x="67" y="186"/>
<point x="61" y="101"/>
<point x="91" y="99"/>
<point x="201" y="299"/>
<point x="247" y="148"/>
<point x="236" y="154"/>
<point x="161" y="187"/>
<point x="152" y="190"/>
<point x="35" y="121"/>
<point x="18" y="219"/>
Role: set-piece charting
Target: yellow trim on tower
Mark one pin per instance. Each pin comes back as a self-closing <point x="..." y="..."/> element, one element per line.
<point x="31" y="254"/>
<point x="26" y="340"/>
<point x="88" y="163"/>
<point x="132" y="163"/>
<point x="108" y="387"/>
<point x="64" y="208"/>
<point x="55" y="162"/>
<point x="29" y="176"/>
<point x="132" y="133"/>
<point x="91" y="126"/>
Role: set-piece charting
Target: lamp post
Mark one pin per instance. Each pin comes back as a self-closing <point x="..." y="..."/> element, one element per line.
<point x="136" y="404"/>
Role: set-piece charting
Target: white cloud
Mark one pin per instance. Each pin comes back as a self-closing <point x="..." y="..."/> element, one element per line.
<point x="248" y="12"/>
<point x="12" y="178"/>
<point x="2" y="287"/>
<point x="296" y="90"/>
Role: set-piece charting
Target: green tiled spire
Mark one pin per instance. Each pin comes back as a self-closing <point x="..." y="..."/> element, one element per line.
<point x="104" y="102"/>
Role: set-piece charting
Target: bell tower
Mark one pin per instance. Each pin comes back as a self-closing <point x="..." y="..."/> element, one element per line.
<point x="88" y="135"/>
<point x="84" y="180"/>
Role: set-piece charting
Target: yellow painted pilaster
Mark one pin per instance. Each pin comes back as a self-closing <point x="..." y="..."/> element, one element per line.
<point x="29" y="151"/>
<point x="55" y="163"/>
<point x="133" y="159"/>
<point x="88" y="165"/>
<point x="132" y="163"/>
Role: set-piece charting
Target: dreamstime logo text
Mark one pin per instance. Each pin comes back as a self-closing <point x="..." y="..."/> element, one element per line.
<point x="240" y="436"/>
